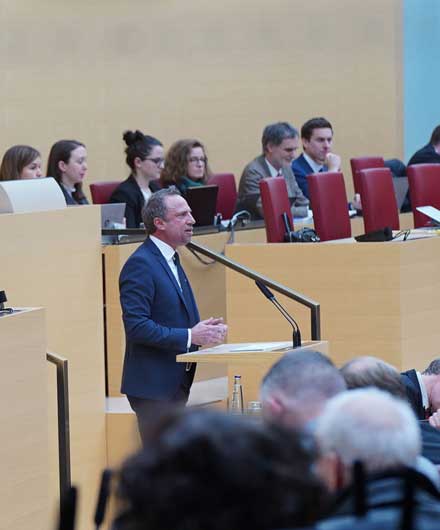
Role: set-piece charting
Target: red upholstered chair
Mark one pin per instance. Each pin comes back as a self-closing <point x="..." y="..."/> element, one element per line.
<point x="329" y="203"/>
<point x="275" y="202"/>
<point x="101" y="191"/>
<point x="227" y="193"/>
<point x="379" y="204"/>
<point x="424" y="189"/>
<point x="363" y="162"/>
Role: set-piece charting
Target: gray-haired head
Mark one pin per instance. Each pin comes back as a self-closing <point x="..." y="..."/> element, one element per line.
<point x="298" y="385"/>
<point x="370" y="426"/>
<point x="368" y="371"/>
<point x="433" y="368"/>
<point x="277" y="132"/>
<point x="156" y="207"/>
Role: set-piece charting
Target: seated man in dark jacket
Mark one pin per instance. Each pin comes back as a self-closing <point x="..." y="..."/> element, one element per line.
<point x="430" y="153"/>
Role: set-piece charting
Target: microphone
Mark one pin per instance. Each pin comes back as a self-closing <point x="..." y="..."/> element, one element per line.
<point x="68" y="509"/>
<point x="244" y="216"/>
<point x="270" y="296"/>
<point x="104" y="491"/>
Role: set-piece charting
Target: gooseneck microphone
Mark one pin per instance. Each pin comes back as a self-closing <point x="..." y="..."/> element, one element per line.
<point x="270" y="296"/>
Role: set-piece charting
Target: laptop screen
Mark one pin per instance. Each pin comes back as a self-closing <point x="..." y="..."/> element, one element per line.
<point x="203" y="202"/>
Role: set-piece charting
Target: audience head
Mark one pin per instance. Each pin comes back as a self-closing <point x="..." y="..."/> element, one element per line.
<point x="317" y="139"/>
<point x="204" y="470"/>
<point x="186" y="158"/>
<point x="167" y="216"/>
<point x="67" y="164"/>
<point x="20" y="162"/>
<point x="280" y="142"/>
<point x="431" y="378"/>
<point x="369" y="426"/>
<point x="144" y="154"/>
<point x="297" y="387"/>
<point x="370" y="371"/>
<point x="435" y="137"/>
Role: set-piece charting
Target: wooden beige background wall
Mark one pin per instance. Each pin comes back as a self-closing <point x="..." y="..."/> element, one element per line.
<point x="217" y="70"/>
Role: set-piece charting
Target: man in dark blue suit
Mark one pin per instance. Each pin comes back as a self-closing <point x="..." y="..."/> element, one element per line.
<point x="159" y="311"/>
<point x="317" y="139"/>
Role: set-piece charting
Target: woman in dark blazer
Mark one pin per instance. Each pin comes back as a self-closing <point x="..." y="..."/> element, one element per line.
<point x="67" y="164"/>
<point x="145" y="157"/>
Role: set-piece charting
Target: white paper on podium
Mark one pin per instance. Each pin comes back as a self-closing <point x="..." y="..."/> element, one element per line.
<point x="250" y="347"/>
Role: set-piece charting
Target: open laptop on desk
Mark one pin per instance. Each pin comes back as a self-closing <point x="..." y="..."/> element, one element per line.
<point x="112" y="215"/>
<point x="203" y="202"/>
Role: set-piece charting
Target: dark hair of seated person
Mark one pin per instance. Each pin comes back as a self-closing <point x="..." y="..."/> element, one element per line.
<point x="204" y="470"/>
<point x="175" y="170"/>
<point x="139" y="145"/>
<point x="15" y="159"/>
<point x="61" y="151"/>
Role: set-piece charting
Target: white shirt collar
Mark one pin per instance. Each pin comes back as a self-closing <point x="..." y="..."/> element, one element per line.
<point x="316" y="167"/>
<point x="273" y="172"/>
<point x="166" y="250"/>
<point x="425" y="400"/>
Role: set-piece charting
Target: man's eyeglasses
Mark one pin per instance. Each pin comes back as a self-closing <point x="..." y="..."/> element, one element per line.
<point x="157" y="161"/>
<point x="197" y="159"/>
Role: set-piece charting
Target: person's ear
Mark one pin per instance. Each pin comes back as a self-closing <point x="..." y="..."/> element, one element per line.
<point x="137" y="162"/>
<point x="62" y="166"/>
<point x="159" y="224"/>
<point x="272" y="407"/>
<point x="328" y="468"/>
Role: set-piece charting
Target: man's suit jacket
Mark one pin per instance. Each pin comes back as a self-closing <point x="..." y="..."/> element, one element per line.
<point x="425" y="155"/>
<point x="249" y="189"/>
<point x="301" y="168"/>
<point x="413" y="392"/>
<point x="156" y="318"/>
<point x="130" y="193"/>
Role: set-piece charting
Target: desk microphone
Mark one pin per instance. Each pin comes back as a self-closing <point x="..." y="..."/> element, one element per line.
<point x="270" y="296"/>
<point x="104" y="491"/>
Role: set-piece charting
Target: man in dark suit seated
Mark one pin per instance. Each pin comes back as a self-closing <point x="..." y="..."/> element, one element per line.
<point x="317" y="156"/>
<point x="373" y="428"/>
<point x="423" y="389"/>
<point x="159" y="311"/>
<point x="279" y="142"/>
<point x="367" y="371"/>
<point x="430" y="153"/>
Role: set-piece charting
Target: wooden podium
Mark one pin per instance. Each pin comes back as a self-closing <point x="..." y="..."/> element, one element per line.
<point x="250" y="360"/>
<point x="23" y="394"/>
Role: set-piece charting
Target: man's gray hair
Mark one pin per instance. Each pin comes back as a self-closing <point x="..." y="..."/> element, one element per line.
<point x="371" y="426"/>
<point x="433" y="368"/>
<point x="277" y="132"/>
<point x="156" y="207"/>
<point x="367" y="371"/>
<point x="306" y="375"/>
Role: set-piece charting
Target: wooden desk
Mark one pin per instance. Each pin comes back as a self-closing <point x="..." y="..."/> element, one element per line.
<point x="376" y="298"/>
<point x="53" y="259"/>
<point x="24" y="449"/>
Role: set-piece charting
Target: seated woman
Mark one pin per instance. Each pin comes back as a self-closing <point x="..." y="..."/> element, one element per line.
<point x="67" y="164"/>
<point x="21" y="162"/>
<point x="186" y="165"/>
<point x="145" y="159"/>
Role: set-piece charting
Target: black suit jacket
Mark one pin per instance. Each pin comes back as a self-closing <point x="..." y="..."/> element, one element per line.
<point x="413" y="392"/>
<point x="156" y="317"/>
<point x="130" y="193"/>
<point x="425" y="155"/>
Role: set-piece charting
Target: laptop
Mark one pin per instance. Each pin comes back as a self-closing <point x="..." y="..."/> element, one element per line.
<point x="112" y="215"/>
<point x="203" y="202"/>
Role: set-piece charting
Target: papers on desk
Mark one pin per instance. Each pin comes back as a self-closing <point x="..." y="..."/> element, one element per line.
<point x="431" y="212"/>
<point x="249" y="347"/>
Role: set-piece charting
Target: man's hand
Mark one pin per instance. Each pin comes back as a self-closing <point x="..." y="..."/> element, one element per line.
<point x="333" y="162"/>
<point x="211" y="331"/>
<point x="434" y="420"/>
